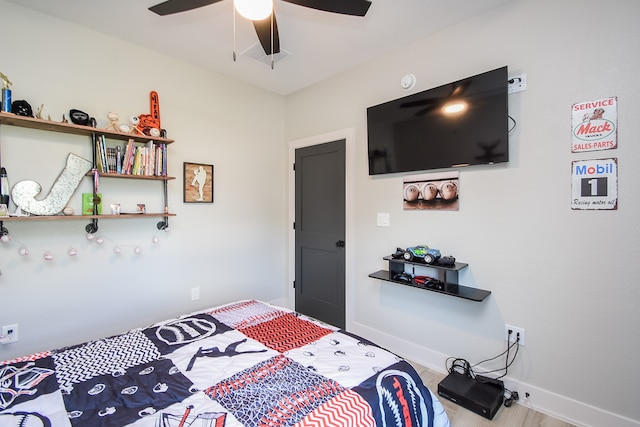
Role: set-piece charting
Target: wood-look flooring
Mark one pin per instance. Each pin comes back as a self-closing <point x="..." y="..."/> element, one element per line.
<point x="515" y="415"/>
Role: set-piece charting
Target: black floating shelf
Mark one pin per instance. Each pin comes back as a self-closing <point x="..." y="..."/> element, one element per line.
<point x="452" y="289"/>
<point x="457" y="265"/>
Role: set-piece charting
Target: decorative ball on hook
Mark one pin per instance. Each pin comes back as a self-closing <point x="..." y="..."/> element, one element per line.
<point x="117" y="250"/>
<point x="72" y="252"/>
<point x="23" y="251"/>
<point x="48" y="256"/>
<point x="5" y="238"/>
<point x="155" y="240"/>
<point x="91" y="236"/>
<point x="137" y="250"/>
<point x="99" y="240"/>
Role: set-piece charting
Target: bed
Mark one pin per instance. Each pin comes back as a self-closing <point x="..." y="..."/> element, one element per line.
<point x="248" y="363"/>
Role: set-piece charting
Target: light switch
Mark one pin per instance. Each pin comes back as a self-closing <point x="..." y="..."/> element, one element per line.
<point x="383" y="219"/>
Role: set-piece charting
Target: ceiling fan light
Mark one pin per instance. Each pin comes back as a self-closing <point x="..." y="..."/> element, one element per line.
<point x="255" y="10"/>
<point x="454" y="107"/>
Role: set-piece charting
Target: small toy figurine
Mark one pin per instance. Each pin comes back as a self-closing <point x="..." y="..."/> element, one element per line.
<point x="114" y="118"/>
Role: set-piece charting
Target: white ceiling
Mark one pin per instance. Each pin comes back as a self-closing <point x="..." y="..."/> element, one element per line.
<point x="319" y="44"/>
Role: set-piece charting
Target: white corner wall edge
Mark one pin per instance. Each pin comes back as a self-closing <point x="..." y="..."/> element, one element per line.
<point x="545" y="401"/>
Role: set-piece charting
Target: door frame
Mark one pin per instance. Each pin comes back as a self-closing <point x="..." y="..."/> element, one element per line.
<point x="349" y="137"/>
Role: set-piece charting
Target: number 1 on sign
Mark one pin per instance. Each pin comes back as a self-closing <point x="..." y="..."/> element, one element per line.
<point x="594" y="187"/>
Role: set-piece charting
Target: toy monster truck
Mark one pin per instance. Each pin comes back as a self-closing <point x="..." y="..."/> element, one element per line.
<point x="422" y="253"/>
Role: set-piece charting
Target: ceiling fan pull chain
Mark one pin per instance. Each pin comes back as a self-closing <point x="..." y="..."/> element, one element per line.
<point x="273" y="10"/>
<point x="234" y="30"/>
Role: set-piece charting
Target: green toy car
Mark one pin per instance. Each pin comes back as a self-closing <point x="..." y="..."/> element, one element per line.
<point x="422" y="253"/>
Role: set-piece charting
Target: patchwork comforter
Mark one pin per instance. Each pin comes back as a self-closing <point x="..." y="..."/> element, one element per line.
<point x="244" y="364"/>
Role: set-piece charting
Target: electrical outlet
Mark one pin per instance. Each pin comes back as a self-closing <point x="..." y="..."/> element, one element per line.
<point x="515" y="333"/>
<point x="10" y="332"/>
<point x="195" y="294"/>
<point x="517" y="83"/>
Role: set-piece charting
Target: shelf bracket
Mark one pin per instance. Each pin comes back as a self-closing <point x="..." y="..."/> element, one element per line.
<point x="92" y="227"/>
<point x="3" y="230"/>
<point x="163" y="225"/>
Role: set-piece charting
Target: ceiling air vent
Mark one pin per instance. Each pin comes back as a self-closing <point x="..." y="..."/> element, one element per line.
<point x="256" y="52"/>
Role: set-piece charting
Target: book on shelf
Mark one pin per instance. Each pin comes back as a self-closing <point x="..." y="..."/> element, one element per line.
<point x="137" y="162"/>
<point x="100" y="164"/>
<point x="127" y="162"/>
<point x="118" y="159"/>
<point x="103" y="154"/>
<point x="160" y="160"/>
<point x="146" y="159"/>
<point x="111" y="159"/>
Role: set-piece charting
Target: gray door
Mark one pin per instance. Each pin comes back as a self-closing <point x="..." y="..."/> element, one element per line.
<point x="320" y="232"/>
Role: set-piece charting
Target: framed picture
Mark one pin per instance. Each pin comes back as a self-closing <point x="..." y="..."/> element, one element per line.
<point x="198" y="183"/>
<point x="432" y="191"/>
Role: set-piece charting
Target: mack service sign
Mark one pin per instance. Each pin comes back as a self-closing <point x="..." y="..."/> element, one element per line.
<point x="595" y="125"/>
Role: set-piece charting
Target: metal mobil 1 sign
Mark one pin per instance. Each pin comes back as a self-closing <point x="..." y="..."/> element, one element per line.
<point x="594" y="184"/>
<point x="595" y="125"/>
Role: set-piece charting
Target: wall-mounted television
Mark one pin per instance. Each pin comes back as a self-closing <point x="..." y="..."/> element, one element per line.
<point x="461" y="123"/>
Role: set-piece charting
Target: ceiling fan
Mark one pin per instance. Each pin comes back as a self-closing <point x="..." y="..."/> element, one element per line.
<point x="266" y="26"/>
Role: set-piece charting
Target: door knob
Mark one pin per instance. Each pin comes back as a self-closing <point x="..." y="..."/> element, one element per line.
<point x="340" y="243"/>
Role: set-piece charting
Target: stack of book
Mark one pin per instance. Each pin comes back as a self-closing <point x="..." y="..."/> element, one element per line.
<point x="131" y="159"/>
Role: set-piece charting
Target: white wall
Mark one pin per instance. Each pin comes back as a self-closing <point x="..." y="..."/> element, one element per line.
<point x="213" y="246"/>
<point x="568" y="277"/>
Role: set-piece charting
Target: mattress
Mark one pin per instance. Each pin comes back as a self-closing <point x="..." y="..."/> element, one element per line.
<point x="248" y="363"/>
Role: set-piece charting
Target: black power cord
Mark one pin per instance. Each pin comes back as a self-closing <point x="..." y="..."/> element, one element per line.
<point x="508" y="363"/>
<point x="514" y="124"/>
<point x="462" y="366"/>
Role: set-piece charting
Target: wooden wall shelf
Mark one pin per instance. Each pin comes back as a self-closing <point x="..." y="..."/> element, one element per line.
<point x="72" y="217"/>
<point x="72" y="128"/>
<point x="131" y="176"/>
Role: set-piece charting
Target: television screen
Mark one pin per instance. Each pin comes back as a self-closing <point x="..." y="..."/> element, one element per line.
<point x="462" y="123"/>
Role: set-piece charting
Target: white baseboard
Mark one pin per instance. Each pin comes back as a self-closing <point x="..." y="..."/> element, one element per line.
<point x="281" y="302"/>
<point x="544" y="401"/>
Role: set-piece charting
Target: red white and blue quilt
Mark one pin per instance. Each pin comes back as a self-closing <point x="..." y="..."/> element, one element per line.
<point x="243" y="364"/>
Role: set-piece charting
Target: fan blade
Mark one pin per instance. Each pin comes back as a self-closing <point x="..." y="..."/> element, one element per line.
<point x="176" y="6"/>
<point x="344" y="7"/>
<point x="426" y="110"/>
<point x="419" y="103"/>
<point x="263" y="30"/>
<point x="460" y="88"/>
